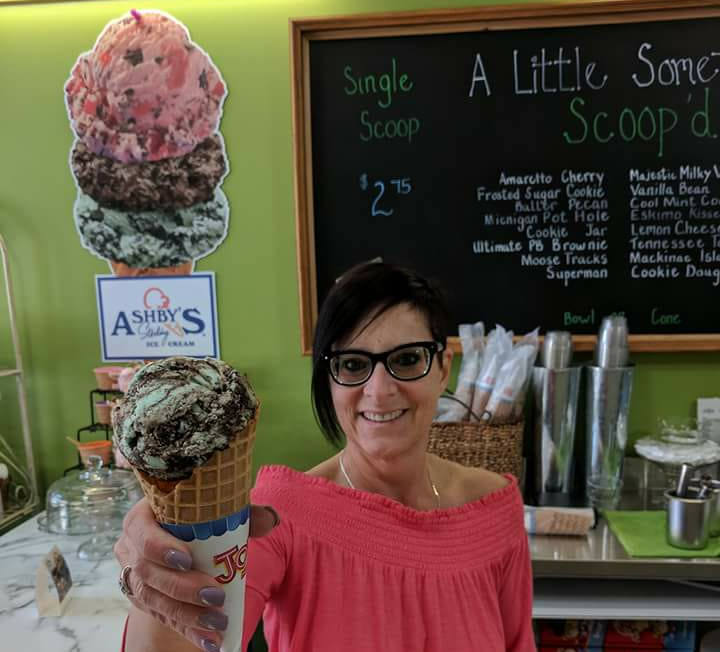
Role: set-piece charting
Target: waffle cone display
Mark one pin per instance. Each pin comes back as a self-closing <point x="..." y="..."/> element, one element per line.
<point x="123" y="270"/>
<point x="217" y="489"/>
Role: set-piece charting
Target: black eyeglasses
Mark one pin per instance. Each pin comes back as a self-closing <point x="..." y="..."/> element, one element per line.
<point x="404" y="362"/>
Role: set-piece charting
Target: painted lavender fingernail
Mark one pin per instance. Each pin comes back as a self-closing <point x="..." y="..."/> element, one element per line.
<point x="212" y="596"/>
<point x="209" y="646"/>
<point x="178" y="560"/>
<point x="213" y="620"/>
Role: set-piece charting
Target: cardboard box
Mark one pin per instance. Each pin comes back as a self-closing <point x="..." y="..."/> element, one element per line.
<point x="603" y="649"/>
<point x="571" y="633"/>
<point x="650" y="634"/>
<point x="616" y="635"/>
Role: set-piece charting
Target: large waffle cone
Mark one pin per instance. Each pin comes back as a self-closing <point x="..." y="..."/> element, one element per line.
<point x="218" y="488"/>
<point x="123" y="270"/>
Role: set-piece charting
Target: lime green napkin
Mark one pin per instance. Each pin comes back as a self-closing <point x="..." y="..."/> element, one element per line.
<point x="643" y="535"/>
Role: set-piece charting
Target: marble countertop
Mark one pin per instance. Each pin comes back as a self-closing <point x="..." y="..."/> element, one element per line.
<point x="94" y="618"/>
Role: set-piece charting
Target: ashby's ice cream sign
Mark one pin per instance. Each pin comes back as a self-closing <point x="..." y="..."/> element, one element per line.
<point x="144" y="318"/>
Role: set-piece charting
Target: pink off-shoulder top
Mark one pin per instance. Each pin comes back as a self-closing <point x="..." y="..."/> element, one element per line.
<point x="354" y="571"/>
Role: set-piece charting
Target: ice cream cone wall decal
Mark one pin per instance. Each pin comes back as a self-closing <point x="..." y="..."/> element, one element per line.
<point x="148" y="159"/>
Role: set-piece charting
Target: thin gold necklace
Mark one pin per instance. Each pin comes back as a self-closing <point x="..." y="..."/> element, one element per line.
<point x="352" y="486"/>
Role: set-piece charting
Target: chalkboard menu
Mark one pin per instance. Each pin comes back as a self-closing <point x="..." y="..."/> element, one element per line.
<point x="549" y="165"/>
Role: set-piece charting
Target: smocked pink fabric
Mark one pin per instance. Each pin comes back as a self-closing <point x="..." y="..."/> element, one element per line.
<point x="354" y="571"/>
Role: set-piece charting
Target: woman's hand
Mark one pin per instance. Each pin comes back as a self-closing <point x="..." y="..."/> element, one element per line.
<point x="162" y="583"/>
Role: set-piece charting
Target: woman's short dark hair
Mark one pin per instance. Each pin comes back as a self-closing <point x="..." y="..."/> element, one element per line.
<point x="364" y="293"/>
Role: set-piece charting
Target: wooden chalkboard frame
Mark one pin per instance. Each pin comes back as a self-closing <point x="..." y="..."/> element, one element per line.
<point x="444" y="21"/>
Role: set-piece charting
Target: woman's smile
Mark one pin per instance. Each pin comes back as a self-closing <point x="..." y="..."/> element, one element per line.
<point x="382" y="417"/>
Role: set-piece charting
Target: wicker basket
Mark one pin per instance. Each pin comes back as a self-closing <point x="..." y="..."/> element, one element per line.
<point x="497" y="448"/>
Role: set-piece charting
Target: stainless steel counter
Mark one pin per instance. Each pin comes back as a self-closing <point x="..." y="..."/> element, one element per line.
<point x="593" y="576"/>
<point x="601" y="555"/>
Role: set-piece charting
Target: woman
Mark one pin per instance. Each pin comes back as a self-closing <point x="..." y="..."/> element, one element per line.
<point x="381" y="547"/>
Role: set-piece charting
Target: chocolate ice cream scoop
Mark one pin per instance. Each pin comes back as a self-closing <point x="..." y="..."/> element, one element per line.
<point x="168" y="184"/>
<point x="178" y="411"/>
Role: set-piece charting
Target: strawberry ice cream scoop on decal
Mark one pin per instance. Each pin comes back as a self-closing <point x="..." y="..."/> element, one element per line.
<point x="145" y="92"/>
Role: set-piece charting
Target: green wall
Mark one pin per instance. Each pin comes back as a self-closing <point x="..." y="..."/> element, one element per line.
<point x="255" y="267"/>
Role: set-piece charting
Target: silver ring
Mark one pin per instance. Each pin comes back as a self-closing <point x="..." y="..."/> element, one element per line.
<point x="123" y="582"/>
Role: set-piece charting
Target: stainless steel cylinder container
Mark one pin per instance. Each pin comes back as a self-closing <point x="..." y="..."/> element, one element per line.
<point x="556" y="396"/>
<point x="608" y="407"/>
<point x="688" y="521"/>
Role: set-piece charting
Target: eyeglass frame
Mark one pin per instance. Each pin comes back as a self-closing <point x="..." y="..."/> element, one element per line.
<point x="432" y="346"/>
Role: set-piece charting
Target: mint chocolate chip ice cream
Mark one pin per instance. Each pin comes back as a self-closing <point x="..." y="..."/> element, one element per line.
<point x="152" y="238"/>
<point x="178" y="411"/>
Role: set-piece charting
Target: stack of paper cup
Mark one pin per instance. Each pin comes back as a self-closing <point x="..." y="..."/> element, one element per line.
<point x="612" y="344"/>
<point x="556" y="352"/>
